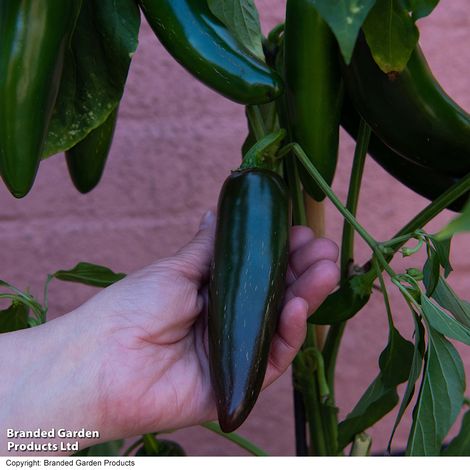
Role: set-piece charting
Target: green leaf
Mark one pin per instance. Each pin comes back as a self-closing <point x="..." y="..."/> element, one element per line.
<point x="344" y="303"/>
<point x="90" y="274"/>
<point x="442" y="248"/>
<point x="431" y="272"/>
<point x="106" y="449"/>
<point x="415" y="370"/>
<point x="95" y="71"/>
<point x="459" y="224"/>
<point x="391" y="35"/>
<point x="395" y="360"/>
<point x="14" y="318"/>
<point x="444" y="323"/>
<point x="376" y="402"/>
<point x="420" y="8"/>
<point x="345" y="18"/>
<point x="448" y="299"/>
<point x="440" y="397"/>
<point x="381" y="396"/>
<point x="460" y="445"/>
<point x="242" y="20"/>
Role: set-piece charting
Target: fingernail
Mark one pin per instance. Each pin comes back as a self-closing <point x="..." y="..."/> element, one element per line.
<point x="207" y="220"/>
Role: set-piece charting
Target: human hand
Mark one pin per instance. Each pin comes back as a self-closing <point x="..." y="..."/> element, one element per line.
<point x="156" y="366"/>
<point x="133" y="359"/>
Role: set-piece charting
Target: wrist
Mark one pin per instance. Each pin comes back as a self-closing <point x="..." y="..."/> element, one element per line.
<point x="52" y="383"/>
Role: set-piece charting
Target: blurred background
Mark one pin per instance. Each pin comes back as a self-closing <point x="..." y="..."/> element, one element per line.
<point x="175" y="143"/>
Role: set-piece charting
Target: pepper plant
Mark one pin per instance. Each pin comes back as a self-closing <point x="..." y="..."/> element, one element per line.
<point x="350" y="63"/>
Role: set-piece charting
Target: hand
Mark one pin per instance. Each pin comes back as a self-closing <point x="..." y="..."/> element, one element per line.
<point x="156" y="369"/>
<point x="135" y="359"/>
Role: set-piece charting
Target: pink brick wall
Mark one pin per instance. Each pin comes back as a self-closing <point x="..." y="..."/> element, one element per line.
<point x="174" y="145"/>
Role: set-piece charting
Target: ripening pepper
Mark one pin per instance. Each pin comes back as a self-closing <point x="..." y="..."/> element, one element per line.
<point x="410" y="112"/>
<point x="246" y="288"/>
<point x="314" y="90"/>
<point x="206" y="48"/>
<point x="423" y="180"/>
<point x="87" y="159"/>
<point x="34" y="36"/>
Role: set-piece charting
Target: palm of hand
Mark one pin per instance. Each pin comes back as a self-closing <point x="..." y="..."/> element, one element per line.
<point x="163" y="357"/>
<point x="155" y="375"/>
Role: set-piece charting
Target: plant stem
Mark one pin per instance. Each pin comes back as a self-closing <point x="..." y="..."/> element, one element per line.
<point x="256" y="121"/>
<point x="298" y="209"/>
<point x="312" y="403"/>
<point x="314" y="173"/>
<point x="383" y="289"/>
<point x="307" y="402"/>
<point x="237" y="439"/>
<point x="151" y="444"/>
<point x="435" y="207"/>
<point x="335" y="333"/>
<point x="421" y="219"/>
<point x="361" y="445"/>
<point x="360" y="153"/>
<point x="298" y="218"/>
<point x="133" y="446"/>
<point x="315" y="424"/>
<point x="402" y="239"/>
<point x="408" y="297"/>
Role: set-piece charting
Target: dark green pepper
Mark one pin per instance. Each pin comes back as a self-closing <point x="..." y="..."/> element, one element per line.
<point x="87" y="159"/>
<point x="410" y="112"/>
<point x="207" y="49"/>
<point x="313" y="90"/>
<point x="34" y="35"/>
<point x="423" y="180"/>
<point x="246" y="288"/>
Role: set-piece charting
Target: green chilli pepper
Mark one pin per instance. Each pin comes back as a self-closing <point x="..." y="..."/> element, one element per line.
<point x="314" y="90"/>
<point x="410" y="112"/>
<point x="427" y="182"/>
<point x="246" y="288"/>
<point x="87" y="159"/>
<point x="207" y="49"/>
<point x="34" y="35"/>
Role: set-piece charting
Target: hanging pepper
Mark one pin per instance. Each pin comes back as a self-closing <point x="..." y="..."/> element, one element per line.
<point x="207" y="49"/>
<point x="410" y="112"/>
<point x="426" y="181"/>
<point x="34" y="35"/>
<point x="246" y="288"/>
<point x="313" y="90"/>
<point x="87" y="159"/>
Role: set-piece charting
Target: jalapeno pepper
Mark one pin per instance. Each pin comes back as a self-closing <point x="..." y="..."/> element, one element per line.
<point x="313" y="90"/>
<point x="34" y="35"/>
<point x="427" y="182"/>
<point x="410" y="112"/>
<point x="87" y="159"/>
<point x="207" y="49"/>
<point x="246" y="288"/>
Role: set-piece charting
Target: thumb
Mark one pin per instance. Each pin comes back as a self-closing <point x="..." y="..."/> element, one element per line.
<point x="194" y="259"/>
